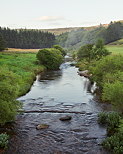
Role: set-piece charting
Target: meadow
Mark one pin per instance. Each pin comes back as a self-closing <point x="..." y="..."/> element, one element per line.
<point x="115" y="49"/>
<point x="24" y="65"/>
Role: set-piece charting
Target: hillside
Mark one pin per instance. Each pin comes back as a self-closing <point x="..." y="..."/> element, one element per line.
<point x="75" y="39"/>
<point x="58" y="31"/>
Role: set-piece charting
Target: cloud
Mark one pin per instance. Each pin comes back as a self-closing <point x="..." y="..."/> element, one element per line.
<point x="50" y="18"/>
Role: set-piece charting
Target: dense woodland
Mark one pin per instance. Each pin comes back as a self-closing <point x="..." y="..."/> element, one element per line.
<point x="26" y="39"/>
<point x="75" y="39"/>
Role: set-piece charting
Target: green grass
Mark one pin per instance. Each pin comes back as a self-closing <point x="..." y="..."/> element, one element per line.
<point x="23" y="65"/>
<point x="115" y="49"/>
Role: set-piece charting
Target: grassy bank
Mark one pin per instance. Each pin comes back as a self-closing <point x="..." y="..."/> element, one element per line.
<point x="17" y="73"/>
<point x="23" y="65"/>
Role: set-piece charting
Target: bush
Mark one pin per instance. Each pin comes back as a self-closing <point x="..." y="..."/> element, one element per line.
<point x="108" y="65"/>
<point x="113" y="92"/>
<point x="114" y="130"/>
<point x="50" y="58"/>
<point x="111" y="119"/>
<point x="114" y="143"/>
<point x="3" y="140"/>
<point x="102" y="118"/>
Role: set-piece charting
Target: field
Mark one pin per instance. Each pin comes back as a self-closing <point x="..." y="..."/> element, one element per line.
<point x="23" y="65"/>
<point x="115" y="49"/>
<point x="22" y="50"/>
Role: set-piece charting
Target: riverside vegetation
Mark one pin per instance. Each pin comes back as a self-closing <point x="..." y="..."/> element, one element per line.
<point x="17" y="73"/>
<point x="18" y="70"/>
<point x="107" y="72"/>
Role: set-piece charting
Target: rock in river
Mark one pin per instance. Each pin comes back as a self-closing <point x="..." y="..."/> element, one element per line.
<point x="65" y="118"/>
<point x="42" y="126"/>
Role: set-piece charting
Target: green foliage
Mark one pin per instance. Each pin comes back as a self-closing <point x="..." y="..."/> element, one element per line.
<point x="99" y="50"/>
<point x="86" y="52"/>
<point x="113" y="92"/>
<point x="91" y="52"/>
<point x="27" y="39"/>
<point x="108" y="65"/>
<point x="51" y="58"/>
<point x="114" y="32"/>
<point x="2" y="43"/>
<point x="112" y="119"/>
<point x="114" y="143"/>
<point x="4" y="140"/>
<point x="58" y="47"/>
<point x="8" y="93"/>
<point x="83" y="36"/>
<point x="114" y="123"/>
<point x="102" y="118"/>
<point x="17" y="72"/>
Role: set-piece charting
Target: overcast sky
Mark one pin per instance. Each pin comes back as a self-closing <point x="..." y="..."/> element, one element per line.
<point x="58" y="13"/>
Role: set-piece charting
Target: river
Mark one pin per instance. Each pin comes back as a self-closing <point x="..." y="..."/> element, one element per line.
<point x="53" y="95"/>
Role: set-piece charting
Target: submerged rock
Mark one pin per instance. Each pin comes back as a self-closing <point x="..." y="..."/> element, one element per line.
<point x="42" y="126"/>
<point x="65" y="118"/>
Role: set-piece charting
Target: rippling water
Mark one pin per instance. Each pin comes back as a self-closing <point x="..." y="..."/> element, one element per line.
<point x="57" y="94"/>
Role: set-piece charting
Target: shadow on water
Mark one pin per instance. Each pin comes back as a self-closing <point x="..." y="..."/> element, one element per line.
<point x="57" y="94"/>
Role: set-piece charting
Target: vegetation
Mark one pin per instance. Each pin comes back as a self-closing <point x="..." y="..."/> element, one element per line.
<point x="3" y="140"/>
<point x="80" y="37"/>
<point x="26" y="39"/>
<point x="92" y="52"/>
<point x="114" y="142"/>
<point x="17" y="72"/>
<point x="2" y="43"/>
<point x="50" y="58"/>
<point x="115" y="49"/>
<point x="60" y="49"/>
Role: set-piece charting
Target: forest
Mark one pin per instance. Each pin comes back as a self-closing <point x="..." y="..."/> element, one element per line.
<point x="26" y="39"/>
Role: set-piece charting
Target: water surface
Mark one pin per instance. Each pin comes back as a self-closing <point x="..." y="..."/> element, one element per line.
<point x="57" y="94"/>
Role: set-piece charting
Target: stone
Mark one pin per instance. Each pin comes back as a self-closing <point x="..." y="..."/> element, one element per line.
<point x="42" y="126"/>
<point x="84" y="73"/>
<point x="65" y="118"/>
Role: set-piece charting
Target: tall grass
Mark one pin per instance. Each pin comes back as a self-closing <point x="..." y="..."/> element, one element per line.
<point x="17" y="73"/>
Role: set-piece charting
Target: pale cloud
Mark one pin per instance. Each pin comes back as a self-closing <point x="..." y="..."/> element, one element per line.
<point x="50" y="18"/>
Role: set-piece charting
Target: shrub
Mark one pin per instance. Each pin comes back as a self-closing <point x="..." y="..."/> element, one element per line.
<point x="114" y="143"/>
<point x="111" y="119"/>
<point x="113" y="92"/>
<point x="102" y="118"/>
<point x="58" y="47"/>
<point x="108" y="65"/>
<point x="4" y="140"/>
<point x="51" y="58"/>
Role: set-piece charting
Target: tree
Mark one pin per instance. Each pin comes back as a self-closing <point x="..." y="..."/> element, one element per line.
<point x="60" y="49"/>
<point x="51" y="58"/>
<point x="85" y="52"/>
<point x="90" y="51"/>
<point x="99" y="50"/>
<point x="114" y="32"/>
<point x="2" y="43"/>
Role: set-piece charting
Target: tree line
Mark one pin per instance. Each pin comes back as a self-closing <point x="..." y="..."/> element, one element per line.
<point x="26" y="39"/>
<point x="78" y="38"/>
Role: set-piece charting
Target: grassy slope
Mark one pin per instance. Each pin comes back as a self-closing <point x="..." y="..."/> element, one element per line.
<point x="116" y="47"/>
<point x="22" y="64"/>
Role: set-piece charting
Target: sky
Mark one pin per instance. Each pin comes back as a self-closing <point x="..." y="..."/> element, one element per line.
<point x="44" y="14"/>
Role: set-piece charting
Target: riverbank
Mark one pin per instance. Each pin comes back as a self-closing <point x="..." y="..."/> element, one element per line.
<point x="54" y="95"/>
<point x="24" y="65"/>
<point x="17" y="74"/>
